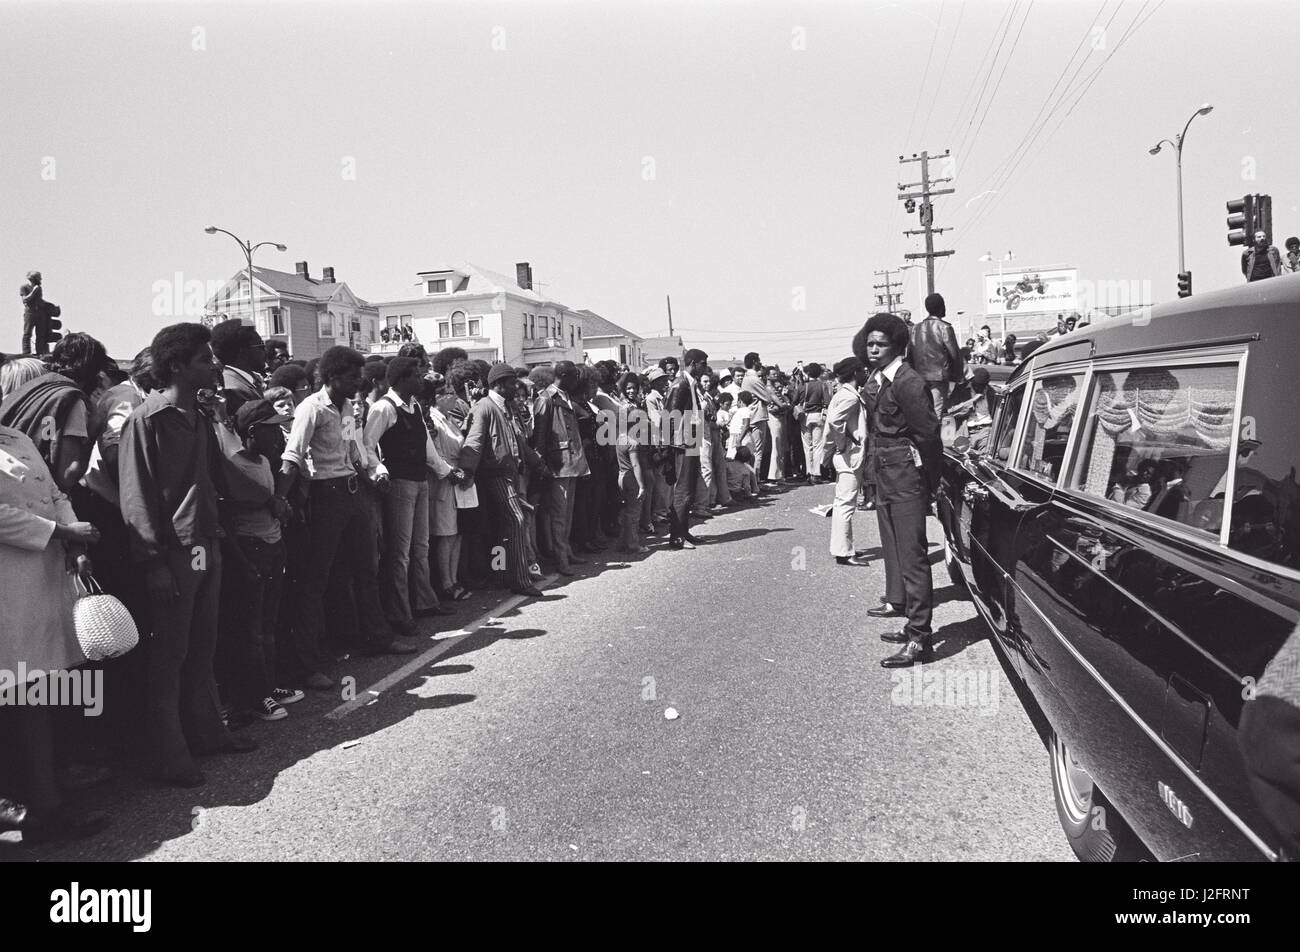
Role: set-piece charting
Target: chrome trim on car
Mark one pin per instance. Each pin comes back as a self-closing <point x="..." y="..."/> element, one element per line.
<point x="1147" y="608"/>
<point x="1153" y="735"/>
<point x="1204" y="540"/>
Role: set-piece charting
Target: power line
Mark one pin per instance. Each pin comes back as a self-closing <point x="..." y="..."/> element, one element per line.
<point x="943" y="74"/>
<point x="993" y="65"/>
<point x="1005" y="63"/>
<point x="1075" y="93"/>
<point x="925" y="75"/>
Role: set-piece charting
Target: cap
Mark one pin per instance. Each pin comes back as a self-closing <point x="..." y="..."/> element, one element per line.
<point x="258" y="412"/>
<point x="654" y="373"/>
<point x="981" y="374"/>
<point x="500" y="372"/>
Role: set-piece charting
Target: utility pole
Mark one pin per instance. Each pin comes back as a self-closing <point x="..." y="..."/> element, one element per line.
<point x="889" y="298"/>
<point x="669" y="298"/>
<point x="927" y="212"/>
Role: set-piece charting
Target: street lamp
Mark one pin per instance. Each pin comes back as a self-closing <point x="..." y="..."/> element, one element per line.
<point x="1003" y="306"/>
<point x="1177" y="143"/>
<point x="247" y="247"/>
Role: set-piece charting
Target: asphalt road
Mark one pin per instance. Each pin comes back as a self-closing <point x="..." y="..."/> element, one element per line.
<point x="540" y="734"/>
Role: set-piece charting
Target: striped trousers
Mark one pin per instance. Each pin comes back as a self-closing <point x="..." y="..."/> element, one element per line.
<point x="509" y="527"/>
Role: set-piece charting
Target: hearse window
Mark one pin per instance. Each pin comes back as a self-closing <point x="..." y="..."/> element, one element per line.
<point x="1266" y="494"/>
<point x="1008" y="412"/>
<point x="1047" y="431"/>
<point x="1157" y="439"/>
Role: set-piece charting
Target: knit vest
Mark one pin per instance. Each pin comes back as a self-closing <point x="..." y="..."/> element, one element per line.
<point x="404" y="445"/>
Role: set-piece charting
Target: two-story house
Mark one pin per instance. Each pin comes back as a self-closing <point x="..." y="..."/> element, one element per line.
<point x="488" y="314"/>
<point x="309" y="315"/>
<point x="607" y="341"/>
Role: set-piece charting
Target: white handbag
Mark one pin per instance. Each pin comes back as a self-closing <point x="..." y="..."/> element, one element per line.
<point x="105" y="629"/>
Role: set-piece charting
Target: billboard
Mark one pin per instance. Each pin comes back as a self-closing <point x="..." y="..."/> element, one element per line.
<point x="1031" y="291"/>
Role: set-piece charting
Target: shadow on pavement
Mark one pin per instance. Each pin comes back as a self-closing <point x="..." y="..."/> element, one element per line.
<point x="147" y="814"/>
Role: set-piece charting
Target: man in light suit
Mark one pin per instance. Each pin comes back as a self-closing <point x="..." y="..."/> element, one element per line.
<point x="846" y="439"/>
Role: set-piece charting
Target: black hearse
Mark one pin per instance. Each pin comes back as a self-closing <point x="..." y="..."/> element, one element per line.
<point x="1132" y="538"/>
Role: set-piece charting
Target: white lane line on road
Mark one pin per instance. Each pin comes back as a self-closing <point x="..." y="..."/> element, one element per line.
<point x="488" y="619"/>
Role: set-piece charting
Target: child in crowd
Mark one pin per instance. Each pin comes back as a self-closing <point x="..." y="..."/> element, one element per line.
<point x="739" y="424"/>
<point x="741" y="478"/>
<point x="255" y="557"/>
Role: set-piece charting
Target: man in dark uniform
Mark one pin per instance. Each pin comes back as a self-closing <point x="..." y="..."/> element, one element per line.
<point x="904" y="464"/>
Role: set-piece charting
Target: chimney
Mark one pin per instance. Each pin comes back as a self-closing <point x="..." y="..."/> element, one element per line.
<point x="524" y="275"/>
<point x="301" y="268"/>
<point x="327" y="275"/>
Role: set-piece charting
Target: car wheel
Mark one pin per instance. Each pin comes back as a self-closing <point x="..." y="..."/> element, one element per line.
<point x="1095" y="830"/>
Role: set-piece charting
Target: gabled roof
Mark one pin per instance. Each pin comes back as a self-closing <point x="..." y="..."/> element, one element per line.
<point x="287" y="283"/>
<point x="593" y="325"/>
<point x="484" y="281"/>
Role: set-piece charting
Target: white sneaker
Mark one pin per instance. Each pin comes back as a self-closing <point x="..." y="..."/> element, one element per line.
<point x="287" y="695"/>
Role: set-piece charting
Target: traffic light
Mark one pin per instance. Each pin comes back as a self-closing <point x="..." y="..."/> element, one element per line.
<point x="47" y="330"/>
<point x="1241" y="220"/>
<point x="1263" y="217"/>
<point x="1184" y="284"/>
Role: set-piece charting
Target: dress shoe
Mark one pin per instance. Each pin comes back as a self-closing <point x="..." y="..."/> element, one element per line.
<point x="82" y="776"/>
<point x="12" y="815"/>
<point x="187" y="777"/>
<point x="914" y="652"/>
<point x="233" y="744"/>
<point x="435" y="610"/>
<point x="63" y="823"/>
<point x="896" y="637"/>
<point x="532" y="591"/>
<point x="405" y="629"/>
<point x="393" y="647"/>
<point x="884" y="610"/>
<point x="851" y="560"/>
<point x="535" y="570"/>
<point x="680" y="544"/>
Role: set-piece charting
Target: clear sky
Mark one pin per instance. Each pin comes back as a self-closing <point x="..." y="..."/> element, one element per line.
<point x="742" y="157"/>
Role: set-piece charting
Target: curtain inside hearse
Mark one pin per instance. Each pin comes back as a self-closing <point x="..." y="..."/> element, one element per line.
<point x="1177" y="420"/>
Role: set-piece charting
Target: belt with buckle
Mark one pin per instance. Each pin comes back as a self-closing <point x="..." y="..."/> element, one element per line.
<point x="350" y="483"/>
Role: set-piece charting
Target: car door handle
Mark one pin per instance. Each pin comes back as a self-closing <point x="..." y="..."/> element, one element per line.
<point x="974" y="492"/>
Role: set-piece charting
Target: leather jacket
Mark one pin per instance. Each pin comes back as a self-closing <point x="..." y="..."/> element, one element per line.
<point x="935" y="354"/>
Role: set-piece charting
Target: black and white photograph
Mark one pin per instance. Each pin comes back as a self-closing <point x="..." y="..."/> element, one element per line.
<point x="644" y="431"/>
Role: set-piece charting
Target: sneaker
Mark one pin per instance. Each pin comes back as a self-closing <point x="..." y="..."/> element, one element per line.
<point x="269" y="709"/>
<point x="287" y="695"/>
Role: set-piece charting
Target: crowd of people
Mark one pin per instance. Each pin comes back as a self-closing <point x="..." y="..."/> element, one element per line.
<point x="261" y="517"/>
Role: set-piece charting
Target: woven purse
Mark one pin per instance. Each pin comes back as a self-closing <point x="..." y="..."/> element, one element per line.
<point x="105" y="629"/>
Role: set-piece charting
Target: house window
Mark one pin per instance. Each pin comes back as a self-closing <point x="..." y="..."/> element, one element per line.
<point x="356" y="325"/>
<point x="622" y="353"/>
<point x="532" y="326"/>
<point x="572" y="342"/>
<point x="390" y="321"/>
<point x="277" y="321"/>
<point x="525" y="326"/>
<point x="444" y="329"/>
<point x="473" y="327"/>
<point x="325" y="324"/>
<point x="458" y="324"/>
<point x="438" y="287"/>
